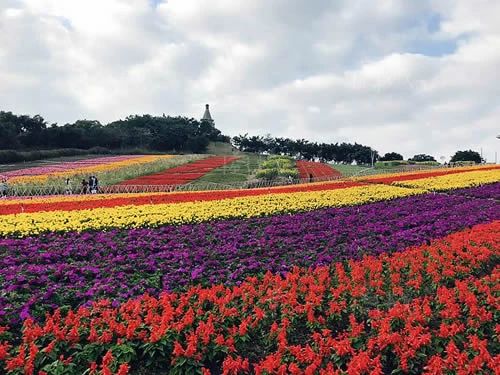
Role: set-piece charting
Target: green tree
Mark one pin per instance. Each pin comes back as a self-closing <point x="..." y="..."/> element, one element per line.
<point x="468" y="155"/>
<point x="391" y="156"/>
<point x="422" y="157"/>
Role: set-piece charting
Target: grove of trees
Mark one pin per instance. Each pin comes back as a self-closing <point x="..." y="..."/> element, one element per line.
<point x="301" y="148"/>
<point x="390" y="156"/>
<point x="422" y="157"/>
<point x="160" y="133"/>
<point x="467" y="155"/>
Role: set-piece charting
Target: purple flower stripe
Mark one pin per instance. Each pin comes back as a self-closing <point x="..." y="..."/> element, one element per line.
<point x="491" y="191"/>
<point x="40" y="273"/>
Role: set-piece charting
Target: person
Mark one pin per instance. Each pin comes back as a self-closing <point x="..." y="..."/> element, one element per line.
<point x="85" y="186"/>
<point x="68" y="189"/>
<point x="311" y="178"/>
<point x="3" y="187"/>
<point x="91" y="184"/>
<point x="96" y="185"/>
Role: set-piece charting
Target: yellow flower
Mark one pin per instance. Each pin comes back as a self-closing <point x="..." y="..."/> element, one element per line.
<point x="105" y="167"/>
<point x="453" y="181"/>
<point x="194" y="212"/>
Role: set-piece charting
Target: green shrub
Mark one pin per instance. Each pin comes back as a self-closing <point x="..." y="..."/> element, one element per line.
<point x="288" y="173"/>
<point x="278" y="163"/>
<point x="267" y="174"/>
<point x="277" y="166"/>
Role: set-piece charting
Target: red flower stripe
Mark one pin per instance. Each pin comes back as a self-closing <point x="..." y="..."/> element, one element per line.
<point x="32" y="205"/>
<point x="184" y="173"/>
<point x="419" y="311"/>
<point x="317" y="170"/>
<point x="179" y="197"/>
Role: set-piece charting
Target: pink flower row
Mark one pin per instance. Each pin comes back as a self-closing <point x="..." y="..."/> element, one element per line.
<point x="61" y="167"/>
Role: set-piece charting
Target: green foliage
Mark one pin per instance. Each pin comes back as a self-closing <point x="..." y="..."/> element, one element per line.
<point x="468" y="155"/>
<point x="390" y="156"/>
<point x="161" y="133"/>
<point x="280" y="162"/>
<point x="303" y="149"/>
<point x="277" y="166"/>
<point x="422" y="158"/>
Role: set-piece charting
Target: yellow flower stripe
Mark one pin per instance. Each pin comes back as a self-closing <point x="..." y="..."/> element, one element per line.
<point x="74" y="198"/>
<point x="194" y="212"/>
<point x="458" y="170"/>
<point x="105" y="167"/>
<point x="453" y="181"/>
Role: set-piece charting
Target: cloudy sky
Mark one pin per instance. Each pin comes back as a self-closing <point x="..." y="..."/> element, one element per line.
<point x="406" y="76"/>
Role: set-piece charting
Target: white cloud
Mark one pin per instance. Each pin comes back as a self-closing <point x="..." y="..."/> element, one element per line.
<point x="398" y="75"/>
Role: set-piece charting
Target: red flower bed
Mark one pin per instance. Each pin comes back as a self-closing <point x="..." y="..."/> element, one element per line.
<point x="184" y="173"/>
<point x="179" y="197"/>
<point x="416" y="176"/>
<point x="428" y="310"/>
<point x="319" y="171"/>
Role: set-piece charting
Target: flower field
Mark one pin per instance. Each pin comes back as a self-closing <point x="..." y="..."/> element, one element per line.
<point x="394" y="274"/>
<point x="182" y="174"/>
<point x="109" y="170"/>
<point x="319" y="171"/>
<point x="69" y="169"/>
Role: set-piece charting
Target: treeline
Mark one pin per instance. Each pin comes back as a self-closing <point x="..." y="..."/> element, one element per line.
<point x="301" y="148"/>
<point x="160" y="133"/>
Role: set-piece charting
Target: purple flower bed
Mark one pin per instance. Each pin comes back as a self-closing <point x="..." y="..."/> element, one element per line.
<point x="486" y="191"/>
<point x="70" y="269"/>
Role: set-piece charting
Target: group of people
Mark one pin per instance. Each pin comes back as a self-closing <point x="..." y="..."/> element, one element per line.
<point x="90" y="186"/>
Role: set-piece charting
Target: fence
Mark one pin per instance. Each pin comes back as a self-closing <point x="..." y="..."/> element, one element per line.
<point x="44" y="190"/>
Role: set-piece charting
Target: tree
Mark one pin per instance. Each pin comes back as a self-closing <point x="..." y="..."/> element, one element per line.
<point x="468" y="155"/>
<point x="391" y="156"/>
<point x="21" y="130"/>
<point x="422" y="157"/>
<point x="302" y="148"/>
<point x="145" y="131"/>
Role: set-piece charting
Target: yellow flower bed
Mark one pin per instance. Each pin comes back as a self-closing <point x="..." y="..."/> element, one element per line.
<point x="74" y="198"/>
<point x="455" y="170"/>
<point x="194" y="212"/>
<point x="453" y="181"/>
<point x="105" y="167"/>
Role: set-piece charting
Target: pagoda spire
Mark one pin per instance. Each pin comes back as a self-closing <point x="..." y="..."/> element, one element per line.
<point x="207" y="116"/>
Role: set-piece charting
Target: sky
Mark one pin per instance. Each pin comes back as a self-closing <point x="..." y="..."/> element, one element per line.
<point x="404" y="76"/>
